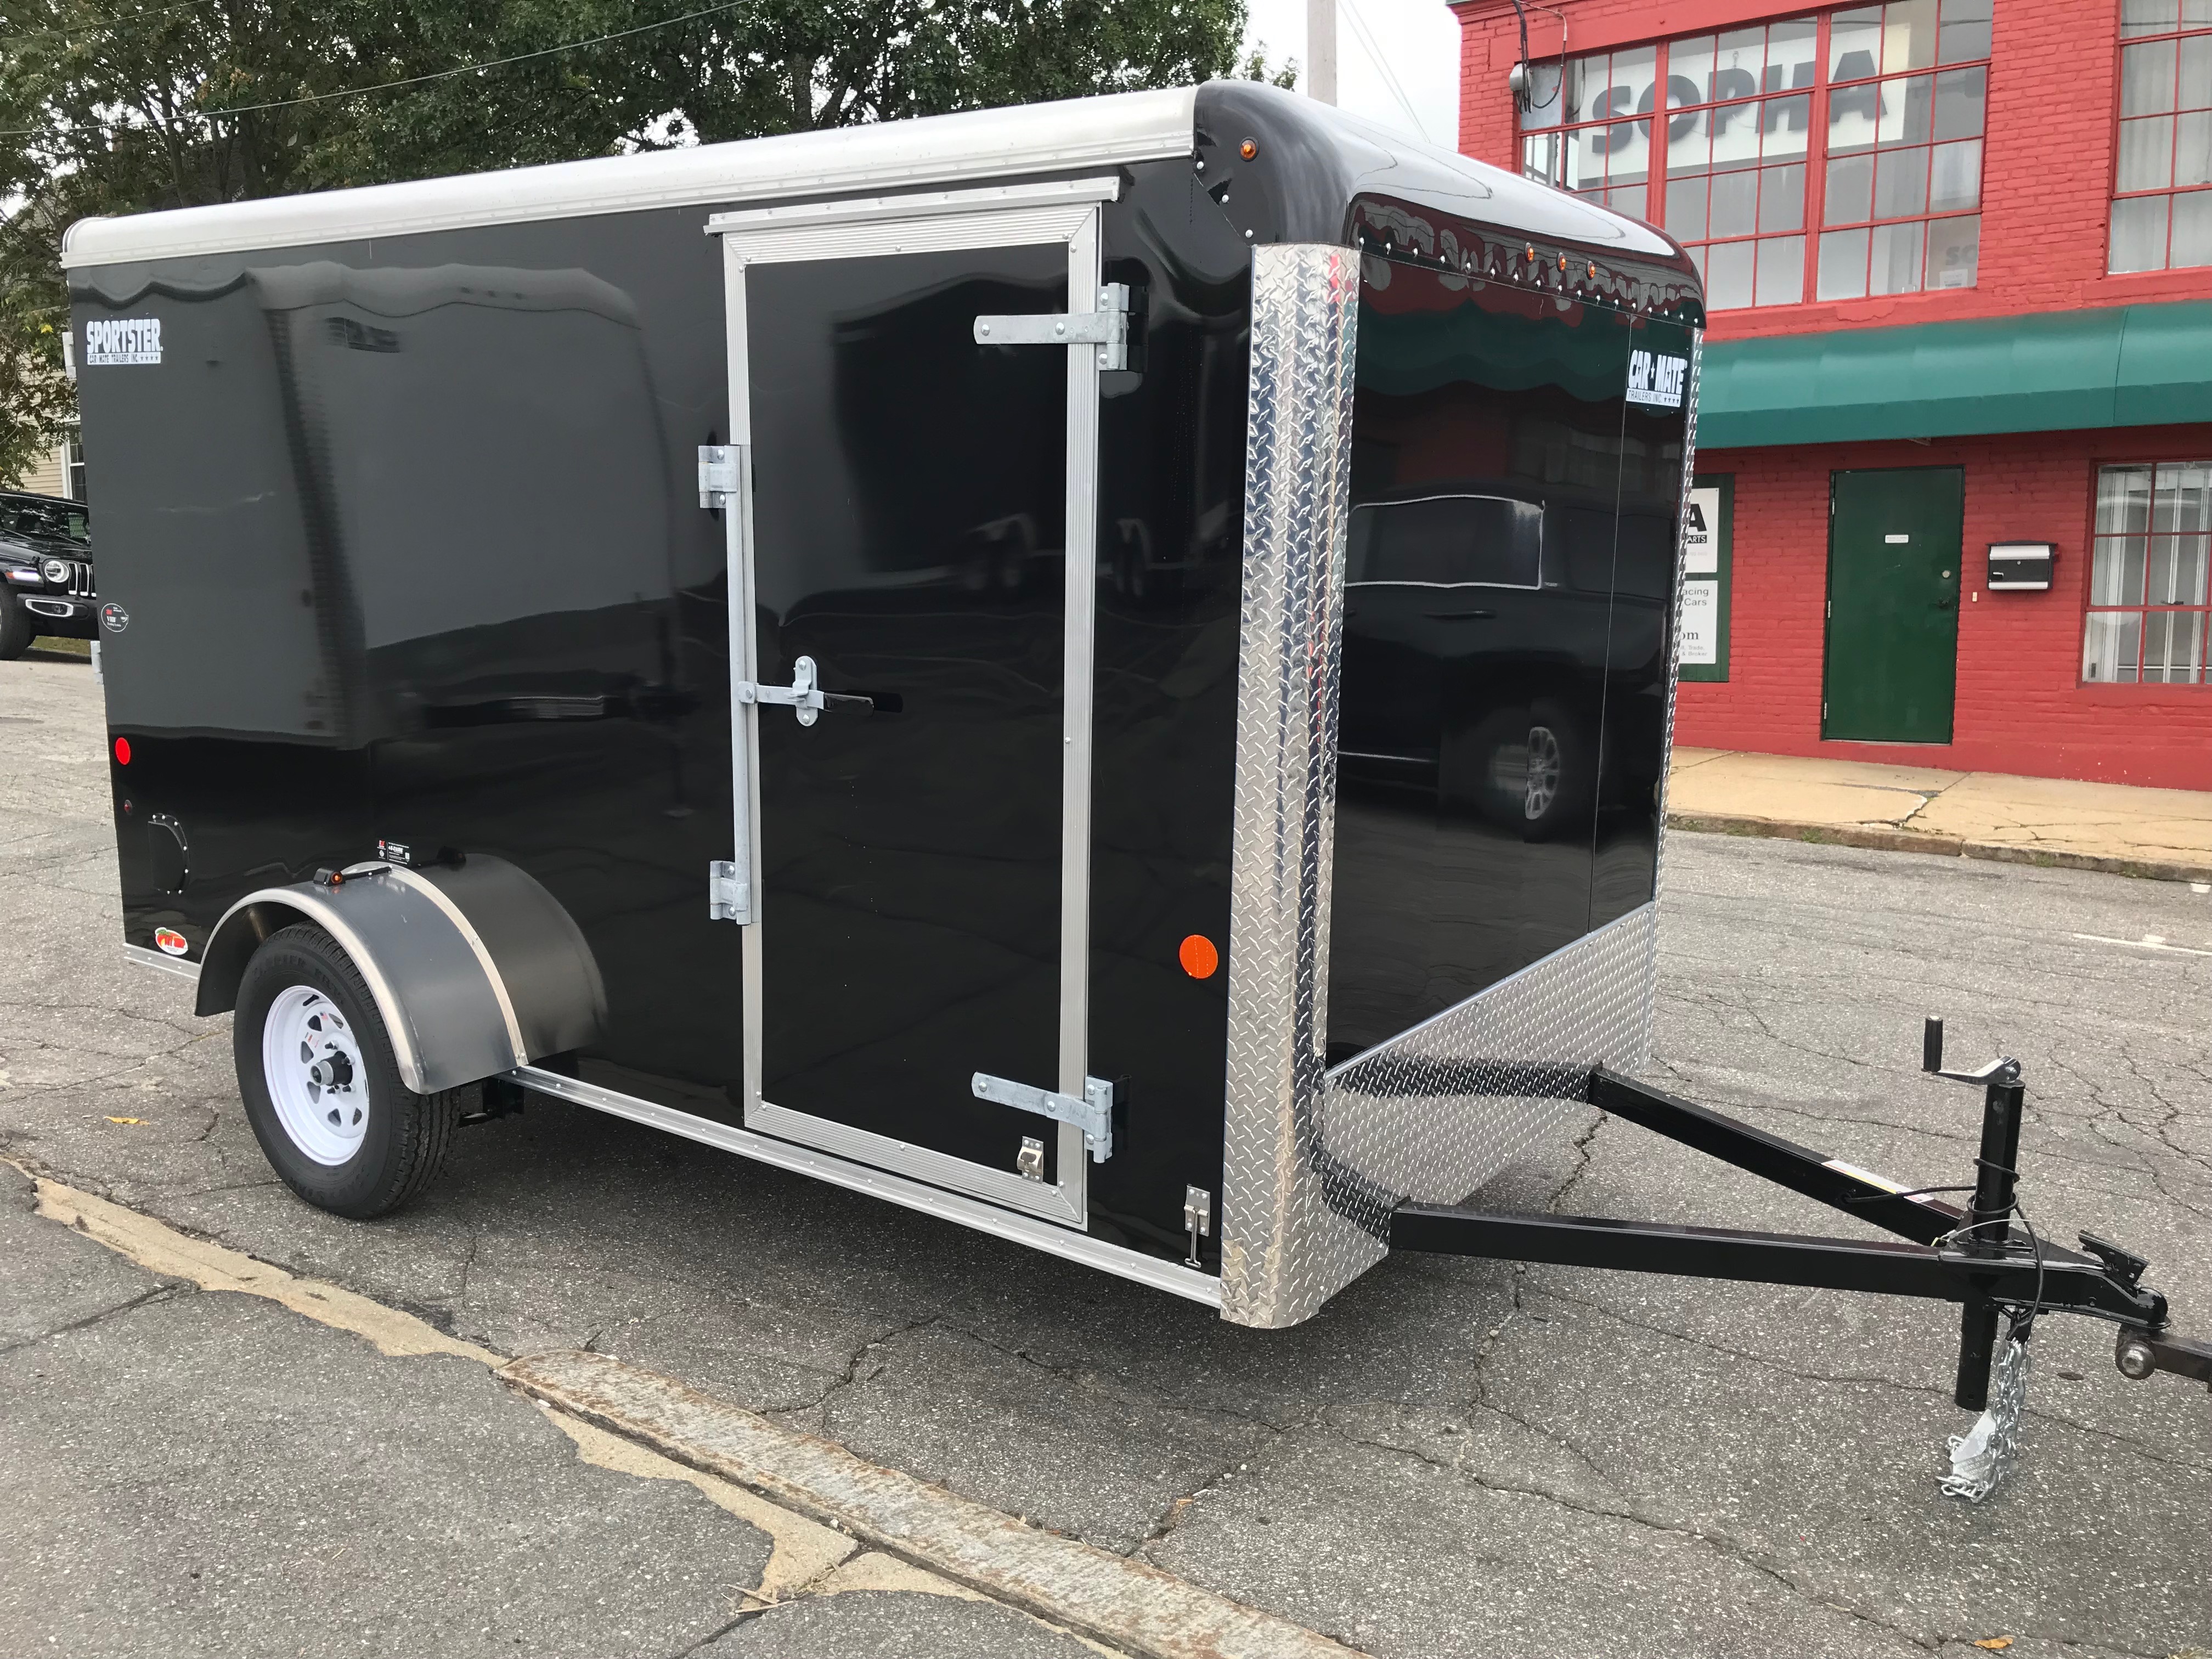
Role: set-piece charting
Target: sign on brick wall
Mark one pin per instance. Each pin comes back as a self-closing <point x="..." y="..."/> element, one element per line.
<point x="1705" y="559"/>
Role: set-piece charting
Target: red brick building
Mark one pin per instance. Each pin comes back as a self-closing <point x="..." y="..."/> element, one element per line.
<point x="1958" y="266"/>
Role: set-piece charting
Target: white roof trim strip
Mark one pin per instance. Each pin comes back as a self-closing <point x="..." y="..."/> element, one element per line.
<point x="927" y="204"/>
<point x="1134" y="126"/>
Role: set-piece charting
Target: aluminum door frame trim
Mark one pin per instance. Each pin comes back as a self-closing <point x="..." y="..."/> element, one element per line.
<point x="991" y="1218"/>
<point x="922" y="1163"/>
<point x="1015" y="216"/>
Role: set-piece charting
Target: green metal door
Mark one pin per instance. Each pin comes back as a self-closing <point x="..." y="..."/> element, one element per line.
<point x="1894" y="563"/>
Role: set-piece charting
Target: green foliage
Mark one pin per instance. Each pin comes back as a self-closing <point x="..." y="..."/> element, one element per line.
<point x="1256" y="68"/>
<point x="115" y="107"/>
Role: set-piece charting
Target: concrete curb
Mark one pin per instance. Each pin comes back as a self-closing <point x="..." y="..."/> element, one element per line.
<point x="1125" y="1604"/>
<point x="1888" y="840"/>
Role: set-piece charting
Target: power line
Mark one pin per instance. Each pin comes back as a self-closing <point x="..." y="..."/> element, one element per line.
<point x="92" y="23"/>
<point x="418" y="80"/>
<point x="1375" y="53"/>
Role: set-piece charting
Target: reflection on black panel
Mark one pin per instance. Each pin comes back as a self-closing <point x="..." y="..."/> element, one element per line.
<point x="1624" y="868"/>
<point x="1508" y="571"/>
<point x="909" y="517"/>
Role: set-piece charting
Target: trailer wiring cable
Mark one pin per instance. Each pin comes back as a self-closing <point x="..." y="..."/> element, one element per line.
<point x="2034" y="1239"/>
<point x="406" y="81"/>
<point x="2024" y="1321"/>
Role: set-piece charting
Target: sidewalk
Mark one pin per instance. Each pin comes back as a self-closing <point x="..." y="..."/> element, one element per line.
<point x="2165" y="834"/>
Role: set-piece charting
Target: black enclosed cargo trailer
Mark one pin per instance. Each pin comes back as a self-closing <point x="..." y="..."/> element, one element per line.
<point x="1101" y="671"/>
<point x="835" y="646"/>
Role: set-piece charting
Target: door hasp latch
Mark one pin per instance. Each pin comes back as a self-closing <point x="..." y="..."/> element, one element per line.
<point x="1093" y="1113"/>
<point x="1107" y="328"/>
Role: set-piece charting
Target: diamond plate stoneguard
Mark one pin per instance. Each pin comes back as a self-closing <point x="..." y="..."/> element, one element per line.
<point x="1315" y="1161"/>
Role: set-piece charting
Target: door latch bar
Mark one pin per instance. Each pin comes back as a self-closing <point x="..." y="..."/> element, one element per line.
<point x="1093" y="1113"/>
<point x="802" y="696"/>
<point x="1107" y="328"/>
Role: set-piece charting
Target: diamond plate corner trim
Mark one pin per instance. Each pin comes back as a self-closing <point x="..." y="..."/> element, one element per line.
<point x="1305" y="310"/>
<point x="1642" y="1057"/>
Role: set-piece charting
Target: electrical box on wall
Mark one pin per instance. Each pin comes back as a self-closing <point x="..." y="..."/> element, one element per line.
<point x="2020" y="566"/>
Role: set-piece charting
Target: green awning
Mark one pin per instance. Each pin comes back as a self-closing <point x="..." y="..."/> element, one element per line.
<point x="2147" y="365"/>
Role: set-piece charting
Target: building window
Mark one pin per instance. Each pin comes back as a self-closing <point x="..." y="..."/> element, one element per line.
<point x="1854" y="134"/>
<point x="73" y="465"/>
<point x="2162" y="181"/>
<point x="2147" y="575"/>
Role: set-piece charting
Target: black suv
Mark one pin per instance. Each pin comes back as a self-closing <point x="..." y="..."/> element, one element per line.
<point x="45" y="572"/>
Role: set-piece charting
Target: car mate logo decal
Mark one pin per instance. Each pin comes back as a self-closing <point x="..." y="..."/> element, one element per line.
<point x="114" y="618"/>
<point x="1655" y="378"/>
<point x="119" y="340"/>
<point x="172" y="941"/>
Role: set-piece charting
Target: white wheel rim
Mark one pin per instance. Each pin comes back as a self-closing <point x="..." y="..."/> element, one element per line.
<point x="311" y="1063"/>
<point x="1544" y="768"/>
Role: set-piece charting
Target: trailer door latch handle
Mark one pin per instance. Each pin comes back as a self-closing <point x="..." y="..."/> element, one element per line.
<point x="1107" y="328"/>
<point x="1093" y="1113"/>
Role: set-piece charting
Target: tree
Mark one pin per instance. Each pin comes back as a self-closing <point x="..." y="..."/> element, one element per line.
<point x="116" y="106"/>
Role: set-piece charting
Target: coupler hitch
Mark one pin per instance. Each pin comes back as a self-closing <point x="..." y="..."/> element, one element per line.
<point x="1987" y="1256"/>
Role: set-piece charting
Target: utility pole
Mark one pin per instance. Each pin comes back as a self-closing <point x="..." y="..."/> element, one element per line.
<point x="1321" y="50"/>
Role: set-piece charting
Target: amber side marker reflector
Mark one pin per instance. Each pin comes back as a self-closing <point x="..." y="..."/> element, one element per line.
<point x="1249" y="148"/>
<point x="1198" y="957"/>
<point x="122" y="751"/>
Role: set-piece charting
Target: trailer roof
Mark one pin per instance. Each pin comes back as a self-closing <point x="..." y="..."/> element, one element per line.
<point x="1330" y="156"/>
<point x="1135" y="126"/>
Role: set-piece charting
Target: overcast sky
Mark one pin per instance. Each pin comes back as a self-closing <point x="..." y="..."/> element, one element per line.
<point x="1417" y="42"/>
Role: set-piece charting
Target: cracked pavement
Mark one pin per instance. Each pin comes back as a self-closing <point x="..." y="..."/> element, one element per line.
<point x="1455" y="1457"/>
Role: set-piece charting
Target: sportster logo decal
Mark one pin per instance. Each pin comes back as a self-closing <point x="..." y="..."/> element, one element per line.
<point x="1655" y="378"/>
<point x="119" y="340"/>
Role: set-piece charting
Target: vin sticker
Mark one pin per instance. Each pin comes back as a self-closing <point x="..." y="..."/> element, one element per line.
<point x="117" y="341"/>
<point x="1655" y="378"/>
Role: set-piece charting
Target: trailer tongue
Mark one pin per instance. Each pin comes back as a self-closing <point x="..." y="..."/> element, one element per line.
<point x="1987" y="1257"/>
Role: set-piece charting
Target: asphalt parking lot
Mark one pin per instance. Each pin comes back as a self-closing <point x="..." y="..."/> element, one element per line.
<point x="1455" y="1458"/>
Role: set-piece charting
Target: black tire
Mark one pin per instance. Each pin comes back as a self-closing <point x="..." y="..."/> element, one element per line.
<point x="17" y="632"/>
<point x="405" y="1135"/>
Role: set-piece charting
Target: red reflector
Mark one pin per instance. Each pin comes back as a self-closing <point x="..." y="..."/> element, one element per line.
<point x="1198" y="957"/>
<point x="122" y="751"/>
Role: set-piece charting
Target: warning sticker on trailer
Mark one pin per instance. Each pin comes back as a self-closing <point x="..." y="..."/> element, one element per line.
<point x="118" y="341"/>
<point x="1655" y="378"/>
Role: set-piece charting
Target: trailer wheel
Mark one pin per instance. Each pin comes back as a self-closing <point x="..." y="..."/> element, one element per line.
<point x="321" y="1089"/>
<point x="1561" y="775"/>
<point x="15" y="630"/>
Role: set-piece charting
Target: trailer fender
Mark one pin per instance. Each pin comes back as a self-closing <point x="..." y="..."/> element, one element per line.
<point x="475" y="967"/>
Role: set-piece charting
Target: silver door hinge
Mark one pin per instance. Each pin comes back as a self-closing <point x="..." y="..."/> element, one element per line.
<point x="728" y="899"/>
<point x="1093" y="1113"/>
<point x="718" y="474"/>
<point x="1107" y="328"/>
<point x="1197" y="1220"/>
